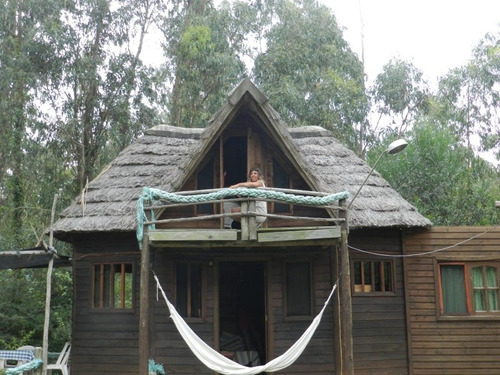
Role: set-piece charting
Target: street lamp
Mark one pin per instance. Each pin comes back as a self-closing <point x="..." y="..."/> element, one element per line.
<point x="394" y="148"/>
<point x="347" y="358"/>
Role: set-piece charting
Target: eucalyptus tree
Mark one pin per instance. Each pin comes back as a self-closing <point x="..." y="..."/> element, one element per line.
<point x="205" y="49"/>
<point x="29" y="69"/>
<point x="470" y="96"/>
<point x="107" y="97"/>
<point x="309" y="72"/>
<point x="400" y="94"/>
<point x="434" y="174"/>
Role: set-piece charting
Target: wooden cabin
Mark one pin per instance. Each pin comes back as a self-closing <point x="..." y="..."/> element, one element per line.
<point x="452" y="292"/>
<point x="272" y="278"/>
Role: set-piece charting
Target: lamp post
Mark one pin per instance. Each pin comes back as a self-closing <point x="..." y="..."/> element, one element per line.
<point x="394" y="148"/>
<point x="347" y="365"/>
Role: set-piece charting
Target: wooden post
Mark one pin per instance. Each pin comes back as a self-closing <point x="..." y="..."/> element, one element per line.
<point x="144" y="306"/>
<point x="345" y="297"/>
<point x="252" y="221"/>
<point x="244" y="221"/>
<point x="48" y="293"/>
<point x="38" y="355"/>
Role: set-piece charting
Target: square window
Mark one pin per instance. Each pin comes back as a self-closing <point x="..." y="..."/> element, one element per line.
<point x="113" y="286"/>
<point x="468" y="288"/>
<point x="373" y="276"/>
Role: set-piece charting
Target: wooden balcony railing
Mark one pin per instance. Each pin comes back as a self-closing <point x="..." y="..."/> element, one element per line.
<point x="154" y="202"/>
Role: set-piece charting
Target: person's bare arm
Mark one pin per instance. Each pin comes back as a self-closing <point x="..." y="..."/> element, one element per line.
<point x="248" y="184"/>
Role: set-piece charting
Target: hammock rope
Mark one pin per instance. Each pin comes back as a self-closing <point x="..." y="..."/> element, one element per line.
<point x="223" y="365"/>
<point x="151" y="194"/>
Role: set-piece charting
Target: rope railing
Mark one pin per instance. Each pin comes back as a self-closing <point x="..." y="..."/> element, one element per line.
<point x="158" y="198"/>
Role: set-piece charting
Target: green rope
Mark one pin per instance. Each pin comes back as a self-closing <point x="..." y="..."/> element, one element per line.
<point x="33" y="365"/>
<point x="151" y="194"/>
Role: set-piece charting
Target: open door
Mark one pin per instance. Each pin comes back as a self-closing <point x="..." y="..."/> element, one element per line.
<point x="242" y="311"/>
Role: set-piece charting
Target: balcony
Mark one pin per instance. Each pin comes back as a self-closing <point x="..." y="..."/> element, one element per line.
<point x="314" y="218"/>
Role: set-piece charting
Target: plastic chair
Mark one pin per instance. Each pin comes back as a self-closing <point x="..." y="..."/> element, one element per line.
<point x="62" y="361"/>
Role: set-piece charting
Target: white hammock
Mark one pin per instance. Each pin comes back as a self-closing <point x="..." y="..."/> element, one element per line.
<point x="219" y="363"/>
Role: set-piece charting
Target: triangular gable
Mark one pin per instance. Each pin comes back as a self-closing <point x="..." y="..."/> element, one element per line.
<point x="247" y="99"/>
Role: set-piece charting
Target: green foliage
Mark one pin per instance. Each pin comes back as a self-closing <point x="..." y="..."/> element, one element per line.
<point x="22" y="307"/>
<point x="433" y="173"/>
<point x="205" y="47"/>
<point x="400" y="94"/>
<point x="470" y="96"/>
<point x="309" y="73"/>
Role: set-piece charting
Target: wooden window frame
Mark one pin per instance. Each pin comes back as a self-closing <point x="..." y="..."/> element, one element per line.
<point x="286" y="292"/>
<point x="370" y="289"/>
<point x="470" y="313"/>
<point x="109" y="284"/>
<point x="203" y="293"/>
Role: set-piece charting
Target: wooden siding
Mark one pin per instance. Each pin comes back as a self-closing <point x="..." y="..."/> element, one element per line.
<point x="379" y="321"/>
<point x="318" y="358"/>
<point x="103" y="342"/>
<point x="467" y="345"/>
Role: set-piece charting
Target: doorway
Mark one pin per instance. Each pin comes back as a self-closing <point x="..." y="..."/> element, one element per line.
<point x="235" y="160"/>
<point x="242" y="311"/>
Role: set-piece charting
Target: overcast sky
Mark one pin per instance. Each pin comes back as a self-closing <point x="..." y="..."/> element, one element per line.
<point x="436" y="35"/>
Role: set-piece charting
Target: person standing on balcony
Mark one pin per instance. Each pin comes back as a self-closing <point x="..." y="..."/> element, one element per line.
<point x="255" y="180"/>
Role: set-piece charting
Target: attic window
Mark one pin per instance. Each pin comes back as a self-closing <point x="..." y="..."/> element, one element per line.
<point x="112" y="286"/>
<point x="205" y="180"/>
<point x="281" y="179"/>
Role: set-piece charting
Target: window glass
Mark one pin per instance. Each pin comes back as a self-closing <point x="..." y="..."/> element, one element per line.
<point x="373" y="276"/>
<point x="189" y="289"/>
<point x="205" y="180"/>
<point x="453" y="289"/>
<point x="298" y="289"/>
<point x="485" y="288"/>
<point x="281" y="179"/>
<point x="113" y="286"/>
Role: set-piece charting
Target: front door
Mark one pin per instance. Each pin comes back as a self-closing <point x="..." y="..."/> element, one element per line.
<point x="242" y="311"/>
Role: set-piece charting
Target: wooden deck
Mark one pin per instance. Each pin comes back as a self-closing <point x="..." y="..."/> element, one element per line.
<point x="294" y="236"/>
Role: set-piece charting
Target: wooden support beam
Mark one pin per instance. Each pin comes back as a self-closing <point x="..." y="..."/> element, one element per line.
<point x="347" y="360"/>
<point x="144" y="306"/>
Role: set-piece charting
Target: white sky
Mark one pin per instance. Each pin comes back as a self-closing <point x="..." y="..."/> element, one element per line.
<point x="435" y="35"/>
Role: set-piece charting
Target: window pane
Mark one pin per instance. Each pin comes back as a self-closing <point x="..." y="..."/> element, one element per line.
<point x="478" y="285"/>
<point x="388" y="277"/>
<point x="181" y="288"/>
<point x="108" y="291"/>
<point x="485" y="284"/>
<point x="453" y="289"/>
<point x="281" y="179"/>
<point x="128" y="287"/>
<point x="196" y="290"/>
<point x="205" y="180"/>
<point x="118" y="286"/>
<point x="357" y="273"/>
<point x="298" y="289"/>
<point x="113" y="284"/>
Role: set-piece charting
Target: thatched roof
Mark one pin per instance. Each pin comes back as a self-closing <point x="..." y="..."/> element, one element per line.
<point x="165" y="156"/>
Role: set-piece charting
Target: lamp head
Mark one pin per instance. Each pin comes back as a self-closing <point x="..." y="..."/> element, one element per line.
<point x="397" y="146"/>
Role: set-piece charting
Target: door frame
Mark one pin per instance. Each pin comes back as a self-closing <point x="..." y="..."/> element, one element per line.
<point x="268" y="317"/>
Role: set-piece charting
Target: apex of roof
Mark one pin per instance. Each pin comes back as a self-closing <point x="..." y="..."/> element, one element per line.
<point x="165" y="156"/>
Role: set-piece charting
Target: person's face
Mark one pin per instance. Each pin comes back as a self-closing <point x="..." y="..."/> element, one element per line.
<point x="254" y="176"/>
